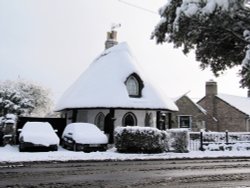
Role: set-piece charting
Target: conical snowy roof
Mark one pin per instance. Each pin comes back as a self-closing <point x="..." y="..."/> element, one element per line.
<point x="102" y="85"/>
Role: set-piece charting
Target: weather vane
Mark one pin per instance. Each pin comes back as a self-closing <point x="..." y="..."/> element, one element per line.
<point x="114" y="26"/>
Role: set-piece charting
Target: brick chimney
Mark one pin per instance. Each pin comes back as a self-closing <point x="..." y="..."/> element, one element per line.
<point x="111" y="39"/>
<point x="211" y="88"/>
<point x="209" y="103"/>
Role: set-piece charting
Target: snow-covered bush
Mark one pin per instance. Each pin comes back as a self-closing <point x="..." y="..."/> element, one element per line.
<point x="140" y="140"/>
<point x="23" y="98"/>
<point x="179" y="140"/>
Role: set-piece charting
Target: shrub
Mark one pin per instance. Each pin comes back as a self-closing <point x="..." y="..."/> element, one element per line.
<point x="179" y="140"/>
<point x="140" y="140"/>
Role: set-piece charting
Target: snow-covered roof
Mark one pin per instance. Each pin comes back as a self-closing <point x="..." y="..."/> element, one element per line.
<point x="102" y="85"/>
<point x="240" y="103"/>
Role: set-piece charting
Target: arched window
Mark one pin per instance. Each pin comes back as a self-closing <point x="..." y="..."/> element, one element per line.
<point x="129" y="119"/>
<point x="99" y="120"/>
<point x="134" y="85"/>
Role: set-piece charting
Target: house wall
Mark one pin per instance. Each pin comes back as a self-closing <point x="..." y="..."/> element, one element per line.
<point x="67" y="115"/>
<point x="140" y="115"/>
<point x="89" y="115"/>
<point x="229" y="118"/>
<point x="188" y="108"/>
<point x="208" y="103"/>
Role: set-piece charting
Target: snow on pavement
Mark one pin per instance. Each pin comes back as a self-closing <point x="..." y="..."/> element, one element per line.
<point x="11" y="154"/>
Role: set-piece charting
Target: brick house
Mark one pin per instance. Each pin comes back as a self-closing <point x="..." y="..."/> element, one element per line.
<point x="190" y="115"/>
<point x="232" y="113"/>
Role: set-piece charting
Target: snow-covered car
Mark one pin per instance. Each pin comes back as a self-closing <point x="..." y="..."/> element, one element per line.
<point x="84" y="137"/>
<point x="38" y="136"/>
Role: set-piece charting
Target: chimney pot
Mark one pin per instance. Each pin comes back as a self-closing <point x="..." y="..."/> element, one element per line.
<point x="111" y="39"/>
<point x="211" y="87"/>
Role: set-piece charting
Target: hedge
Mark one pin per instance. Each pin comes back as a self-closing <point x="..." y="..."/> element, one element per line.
<point x="140" y="140"/>
<point x="178" y="140"/>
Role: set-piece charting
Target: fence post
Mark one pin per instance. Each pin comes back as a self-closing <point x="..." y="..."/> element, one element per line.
<point x="201" y="141"/>
<point x="226" y="136"/>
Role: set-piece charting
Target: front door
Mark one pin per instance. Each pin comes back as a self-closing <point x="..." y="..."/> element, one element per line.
<point x="109" y="127"/>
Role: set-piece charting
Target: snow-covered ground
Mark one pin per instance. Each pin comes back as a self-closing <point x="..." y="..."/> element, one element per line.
<point x="11" y="154"/>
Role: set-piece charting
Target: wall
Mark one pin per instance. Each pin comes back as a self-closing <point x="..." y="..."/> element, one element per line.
<point x="88" y="115"/>
<point x="187" y="107"/>
<point x="140" y="115"/>
<point x="208" y="103"/>
<point x="229" y="118"/>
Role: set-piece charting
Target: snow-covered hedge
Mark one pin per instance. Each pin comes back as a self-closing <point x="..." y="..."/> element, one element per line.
<point x="140" y="140"/>
<point x="179" y="140"/>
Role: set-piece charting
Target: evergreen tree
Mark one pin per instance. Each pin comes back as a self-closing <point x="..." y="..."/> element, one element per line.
<point x="23" y="98"/>
<point x="217" y="30"/>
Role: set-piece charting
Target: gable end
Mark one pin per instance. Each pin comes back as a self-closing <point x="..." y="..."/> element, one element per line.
<point x="231" y="105"/>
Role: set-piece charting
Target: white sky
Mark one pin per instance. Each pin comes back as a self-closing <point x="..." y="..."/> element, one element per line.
<point x="52" y="42"/>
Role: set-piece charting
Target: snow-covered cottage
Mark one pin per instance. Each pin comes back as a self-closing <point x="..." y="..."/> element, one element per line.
<point x="114" y="91"/>
<point x="229" y="112"/>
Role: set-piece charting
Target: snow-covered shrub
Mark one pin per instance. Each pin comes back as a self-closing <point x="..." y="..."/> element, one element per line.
<point x="179" y="140"/>
<point x="24" y="98"/>
<point x="140" y="140"/>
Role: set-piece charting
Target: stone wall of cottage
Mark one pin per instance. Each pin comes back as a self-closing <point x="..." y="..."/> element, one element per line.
<point x="188" y="108"/>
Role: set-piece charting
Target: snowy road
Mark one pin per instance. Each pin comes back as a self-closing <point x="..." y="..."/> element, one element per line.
<point x="146" y="174"/>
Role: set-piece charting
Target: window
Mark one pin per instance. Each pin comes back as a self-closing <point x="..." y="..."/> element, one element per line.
<point x="184" y="121"/>
<point x="129" y="119"/>
<point x="134" y="85"/>
<point x="99" y="120"/>
<point x="149" y="120"/>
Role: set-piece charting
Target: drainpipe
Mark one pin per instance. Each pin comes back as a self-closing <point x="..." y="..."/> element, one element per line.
<point x="247" y="124"/>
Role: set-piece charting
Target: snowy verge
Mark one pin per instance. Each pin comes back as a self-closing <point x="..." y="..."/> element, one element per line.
<point x="10" y="154"/>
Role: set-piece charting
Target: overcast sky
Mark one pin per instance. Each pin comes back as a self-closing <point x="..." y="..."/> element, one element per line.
<point x="51" y="42"/>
